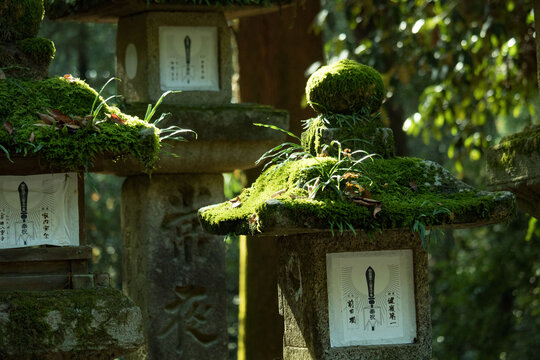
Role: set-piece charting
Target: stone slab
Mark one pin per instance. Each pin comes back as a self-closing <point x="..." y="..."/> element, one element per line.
<point x="173" y="270"/>
<point x="110" y="11"/>
<point x="68" y="324"/>
<point x="304" y="295"/>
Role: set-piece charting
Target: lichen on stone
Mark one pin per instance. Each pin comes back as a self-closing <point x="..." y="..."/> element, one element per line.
<point x="345" y="87"/>
<point x="24" y="134"/>
<point x="525" y="143"/>
<point x="48" y="324"/>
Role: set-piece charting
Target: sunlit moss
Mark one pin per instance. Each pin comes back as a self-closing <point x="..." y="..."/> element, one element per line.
<point x="20" y="101"/>
<point x="409" y="190"/>
<point x="345" y="87"/>
<point x="39" y="49"/>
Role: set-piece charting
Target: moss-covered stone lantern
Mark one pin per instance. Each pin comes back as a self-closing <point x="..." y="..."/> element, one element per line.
<point x="514" y="165"/>
<point x="173" y="270"/>
<point x="52" y="131"/>
<point x="351" y="219"/>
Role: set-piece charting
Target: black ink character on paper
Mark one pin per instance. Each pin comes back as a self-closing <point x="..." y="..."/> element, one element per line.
<point x="24" y="226"/>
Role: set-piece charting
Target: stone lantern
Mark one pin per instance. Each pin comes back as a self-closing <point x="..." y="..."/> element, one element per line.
<point x="52" y="130"/>
<point x="173" y="270"/>
<point x="351" y="221"/>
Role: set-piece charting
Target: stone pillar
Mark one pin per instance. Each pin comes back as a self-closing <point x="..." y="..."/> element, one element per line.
<point x="304" y="300"/>
<point x="172" y="270"/>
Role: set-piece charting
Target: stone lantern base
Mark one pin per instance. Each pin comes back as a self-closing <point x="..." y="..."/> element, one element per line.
<point x="100" y="323"/>
<point x="303" y="295"/>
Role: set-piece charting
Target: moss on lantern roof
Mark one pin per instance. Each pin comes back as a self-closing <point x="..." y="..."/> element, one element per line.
<point x="345" y="87"/>
<point x="320" y="186"/>
<point x="525" y="142"/>
<point x="411" y="191"/>
<point x="63" y="146"/>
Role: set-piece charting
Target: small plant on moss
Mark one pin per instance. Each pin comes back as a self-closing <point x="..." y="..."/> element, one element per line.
<point x="423" y="220"/>
<point x="283" y="153"/>
<point x="95" y="111"/>
<point x="172" y="132"/>
<point x="332" y="177"/>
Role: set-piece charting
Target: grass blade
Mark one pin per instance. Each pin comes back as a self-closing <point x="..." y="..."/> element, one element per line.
<point x="274" y="127"/>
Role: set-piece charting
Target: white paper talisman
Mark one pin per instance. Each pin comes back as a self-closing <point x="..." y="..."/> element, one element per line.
<point x="371" y="298"/>
<point x="39" y="210"/>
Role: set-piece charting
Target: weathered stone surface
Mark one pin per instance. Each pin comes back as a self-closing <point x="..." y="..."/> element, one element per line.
<point x="68" y="324"/>
<point x="107" y="11"/>
<point x="142" y="32"/>
<point x="173" y="270"/>
<point x="227" y="139"/>
<point x="304" y="295"/>
<point x="514" y="165"/>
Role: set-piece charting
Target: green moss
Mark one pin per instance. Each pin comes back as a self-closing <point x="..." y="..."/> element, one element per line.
<point x="409" y="190"/>
<point x="345" y="87"/>
<point x="525" y="143"/>
<point x="20" y="19"/>
<point x="28" y="331"/>
<point x="312" y="137"/>
<point x="39" y="49"/>
<point x="20" y="101"/>
<point x="351" y="131"/>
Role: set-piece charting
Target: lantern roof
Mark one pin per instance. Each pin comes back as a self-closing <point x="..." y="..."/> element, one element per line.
<point x="345" y="175"/>
<point x="110" y="11"/>
<point x="65" y="124"/>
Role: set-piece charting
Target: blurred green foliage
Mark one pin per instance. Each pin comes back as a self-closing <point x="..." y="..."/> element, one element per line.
<point x="84" y="50"/>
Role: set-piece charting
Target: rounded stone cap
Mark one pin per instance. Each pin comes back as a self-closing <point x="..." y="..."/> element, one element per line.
<point x="20" y="19"/>
<point x="345" y="87"/>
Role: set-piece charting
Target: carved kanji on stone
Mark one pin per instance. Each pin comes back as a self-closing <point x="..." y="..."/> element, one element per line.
<point x="188" y="315"/>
